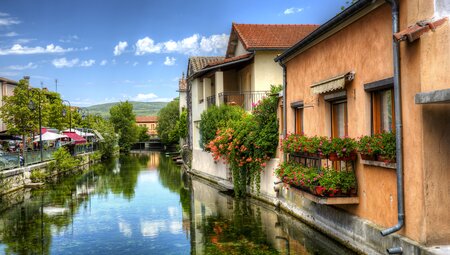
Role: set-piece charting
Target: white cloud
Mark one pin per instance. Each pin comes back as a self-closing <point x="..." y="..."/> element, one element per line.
<point x="170" y="61"/>
<point x="149" y="63"/>
<point x="120" y="48"/>
<point x="135" y="63"/>
<point x="87" y="63"/>
<point x="10" y="34"/>
<point x="292" y="10"/>
<point x="70" y="38"/>
<point x="63" y="62"/>
<point x="28" y="66"/>
<point x="104" y="62"/>
<point x="193" y="45"/>
<point x="23" y="41"/>
<point x="18" y="49"/>
<point x="147" y="45"/>
<point x="145" y="97"/>
<point x="6" y="20"/>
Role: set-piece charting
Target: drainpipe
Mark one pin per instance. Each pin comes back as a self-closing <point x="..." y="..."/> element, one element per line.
<point x="398" y="128"/>
<point x="284" y="105"/>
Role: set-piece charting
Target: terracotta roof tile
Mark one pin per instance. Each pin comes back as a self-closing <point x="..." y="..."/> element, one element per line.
<point x="227" y="60"/>
<point x="260" y="36"/>
<point x="415" y="31"/>
<point x="198" y="63"/>
<point x="146" y="119"/>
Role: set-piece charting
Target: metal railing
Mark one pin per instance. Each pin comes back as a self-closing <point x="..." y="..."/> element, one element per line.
<point x="246" y="99"/>
<point x="10" y="160"/>
<point x="210" y="101"/>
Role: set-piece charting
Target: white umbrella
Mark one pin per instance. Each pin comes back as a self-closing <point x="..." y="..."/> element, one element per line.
<point x="48" y="136"/>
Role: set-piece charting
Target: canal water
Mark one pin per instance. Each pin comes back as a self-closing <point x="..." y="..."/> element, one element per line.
<point x="144" y="204"/>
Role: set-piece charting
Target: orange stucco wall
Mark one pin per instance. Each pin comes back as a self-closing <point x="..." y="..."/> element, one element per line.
<point x="365" y="47"/>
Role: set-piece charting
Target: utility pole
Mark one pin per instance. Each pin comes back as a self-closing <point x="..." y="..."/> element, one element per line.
<point x="56" y="84"/>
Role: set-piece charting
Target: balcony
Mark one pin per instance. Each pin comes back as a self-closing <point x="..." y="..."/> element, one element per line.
<point x="245" y="99"/>
<point x="210" y="101"/>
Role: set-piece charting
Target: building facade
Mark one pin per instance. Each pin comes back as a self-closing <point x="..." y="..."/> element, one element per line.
<point x="7" y="87"/>
<point x="151" y="122"/>
<point x="340" y="82"/>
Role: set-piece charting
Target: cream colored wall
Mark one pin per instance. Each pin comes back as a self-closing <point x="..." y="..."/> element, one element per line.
<point x="245" y="78"/>
<point x="266" y="71"/>
<point x="240" y="50"/>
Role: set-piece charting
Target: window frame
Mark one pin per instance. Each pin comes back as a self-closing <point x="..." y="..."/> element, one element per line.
<point x="375" y="88"/>
<point x="298" y="107"/>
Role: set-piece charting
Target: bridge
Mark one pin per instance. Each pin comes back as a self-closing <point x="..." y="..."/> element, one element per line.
<point x="152" y="144"/>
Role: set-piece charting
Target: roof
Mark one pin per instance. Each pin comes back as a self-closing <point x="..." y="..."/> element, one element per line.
<point x="267" y="36"/>
<point x="146" y="119"/>
<point x="326" y="28"/>
<point x="78" y="139"/>
<point x="2" y="79"/>
<point x="415" y="31"/>
<point x="182" y="84"/>
<point x="197" y="63"/>
<point x="230" y="60"/>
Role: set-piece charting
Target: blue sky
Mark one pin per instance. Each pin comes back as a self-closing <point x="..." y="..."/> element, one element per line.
<point x="115" y="50"/>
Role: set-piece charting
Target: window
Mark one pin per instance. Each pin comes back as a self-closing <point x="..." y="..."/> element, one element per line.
<point x="200" y="92"/>
<point x="383" y="115"/>
<point x="298" y="120"/>
<point x="339" y="119"/>
<point x="382" y="104"/>
<point x="297" y="107"/>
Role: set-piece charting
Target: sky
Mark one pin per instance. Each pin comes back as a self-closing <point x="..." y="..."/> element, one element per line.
<point x="106" y="51"/>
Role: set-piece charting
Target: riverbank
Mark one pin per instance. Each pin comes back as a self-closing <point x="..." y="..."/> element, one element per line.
<point x="356" y="233"/>
<point x="21" y="178"/>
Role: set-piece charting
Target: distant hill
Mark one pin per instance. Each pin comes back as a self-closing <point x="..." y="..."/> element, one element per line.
<point x="139" y="108"/>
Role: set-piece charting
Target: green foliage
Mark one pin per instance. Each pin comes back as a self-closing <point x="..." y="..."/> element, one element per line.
<point x="183" y="124"/>
<point x="38" y="176"/>
<point x="139" y="108"/>
<point x="63" y="161"/>
<point x="168" y="123"/>
<point x="247" y="142"/>
<point x="216" y="118"/>
<point x="124" y="122"/>
<point x="108" y="145"/>
<point x="142" y="133"/>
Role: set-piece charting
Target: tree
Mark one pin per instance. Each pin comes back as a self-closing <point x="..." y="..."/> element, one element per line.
<point x="168" y="123"/>
<point x="142" y="133"/>
<point x="124" y="122"/>
<point x="106" y="129"/>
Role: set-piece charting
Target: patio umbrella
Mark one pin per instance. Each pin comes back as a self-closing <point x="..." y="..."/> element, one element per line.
<point x="48" y="136"/>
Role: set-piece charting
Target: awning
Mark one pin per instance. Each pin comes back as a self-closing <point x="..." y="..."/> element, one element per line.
<point x="100" y="137"/>
<point x="333" y="84"/>
<point x="48" y="136"/>
<point x="73" y="136"/>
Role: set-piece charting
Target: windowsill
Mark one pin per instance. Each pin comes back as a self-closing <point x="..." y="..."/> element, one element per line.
<point x="325" y="200"/>
<point x="379" y="164"/>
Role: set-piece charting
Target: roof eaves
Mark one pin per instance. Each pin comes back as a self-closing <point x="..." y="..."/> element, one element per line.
<point x="220" y="66"/>
<point x="328" y="26"/>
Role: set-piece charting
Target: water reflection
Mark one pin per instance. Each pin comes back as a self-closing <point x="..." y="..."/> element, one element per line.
<point x="144" y="204"/>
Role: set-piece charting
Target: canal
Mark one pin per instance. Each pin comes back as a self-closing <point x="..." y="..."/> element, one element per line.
<point x="144" y="204"/>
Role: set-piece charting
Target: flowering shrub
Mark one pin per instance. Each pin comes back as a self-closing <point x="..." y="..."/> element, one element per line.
<point x="383" y="144"/>
<point x="343" y="147"/>
<point x="327" y="182"/>
<point x="366" y="145"/>
<point x="248" y="143"/>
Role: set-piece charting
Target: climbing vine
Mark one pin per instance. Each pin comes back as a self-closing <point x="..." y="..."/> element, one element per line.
<point x="248" y="143"/>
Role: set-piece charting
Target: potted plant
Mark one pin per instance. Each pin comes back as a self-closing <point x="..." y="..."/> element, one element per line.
<point x="388" y="149"/>
<point x="365" y="146"/>
<point x="343" y="149"/>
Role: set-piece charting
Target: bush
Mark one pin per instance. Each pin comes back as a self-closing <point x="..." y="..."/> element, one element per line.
<point x="63" y="161"/>
<point x="216" y="118"/>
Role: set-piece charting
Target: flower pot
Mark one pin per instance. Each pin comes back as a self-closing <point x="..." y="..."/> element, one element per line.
<point x="385" y="159"/>
<point x="349" y="157"/>
<point x="333" y="156"/>
<point x="368" y="157"/>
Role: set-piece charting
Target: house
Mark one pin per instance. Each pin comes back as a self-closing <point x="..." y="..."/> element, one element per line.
<point x="242" y="77"/>
<point x="182" y="91"/>
<point x="341" y="80"/>
<point x="148" y="121"/>
<point x="6" y="89"/>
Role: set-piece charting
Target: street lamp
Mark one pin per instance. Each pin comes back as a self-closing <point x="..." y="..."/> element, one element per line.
<point x="32" y="107"/>
<point x="83" y="111"/>
<point x="64" y="113"/>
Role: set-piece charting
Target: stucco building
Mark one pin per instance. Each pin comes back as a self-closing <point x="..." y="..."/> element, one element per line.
<point x="148" y="121"/>
<point x="342" y="80"/>
<point x="7" y="87"/>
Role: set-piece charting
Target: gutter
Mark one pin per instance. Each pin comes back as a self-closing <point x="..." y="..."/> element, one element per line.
<point x="398" y="128"/>
<point x="284" y="105"/>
